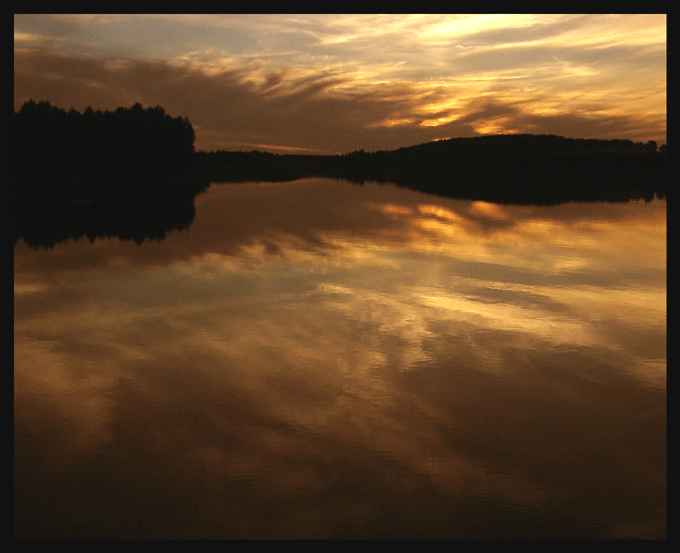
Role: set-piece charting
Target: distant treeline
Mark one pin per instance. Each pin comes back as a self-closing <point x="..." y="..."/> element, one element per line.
<point x="503" y="168"/>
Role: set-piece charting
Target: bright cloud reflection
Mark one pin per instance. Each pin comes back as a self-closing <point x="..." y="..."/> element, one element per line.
<point x="552" y="277"/>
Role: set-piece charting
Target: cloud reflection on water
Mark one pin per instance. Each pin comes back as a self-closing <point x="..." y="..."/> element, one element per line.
<point x="369" y="343"/>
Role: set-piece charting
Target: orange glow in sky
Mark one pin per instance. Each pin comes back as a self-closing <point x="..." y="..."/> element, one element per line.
<point x="334" y="83"/>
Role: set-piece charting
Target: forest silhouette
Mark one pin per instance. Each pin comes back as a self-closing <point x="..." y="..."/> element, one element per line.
<point x="134" y="172"/>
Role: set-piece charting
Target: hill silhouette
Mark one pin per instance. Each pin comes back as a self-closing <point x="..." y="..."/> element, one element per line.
<point x="523" y="168"/>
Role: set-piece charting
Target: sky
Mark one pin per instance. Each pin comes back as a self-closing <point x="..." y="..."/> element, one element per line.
<point x="336" y="83"/>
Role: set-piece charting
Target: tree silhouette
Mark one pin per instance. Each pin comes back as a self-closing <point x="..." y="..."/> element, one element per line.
<point x="47" y="138"/>
<point x="130" y="173"/>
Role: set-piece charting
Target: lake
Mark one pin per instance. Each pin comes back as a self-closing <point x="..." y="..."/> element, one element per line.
<point x="325" y="360"/>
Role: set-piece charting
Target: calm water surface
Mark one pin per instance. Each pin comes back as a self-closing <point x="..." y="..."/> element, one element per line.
<point x="318" y="359"/>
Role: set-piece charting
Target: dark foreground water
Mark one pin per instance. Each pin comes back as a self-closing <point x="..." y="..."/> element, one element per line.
<point x="317" y="359"/>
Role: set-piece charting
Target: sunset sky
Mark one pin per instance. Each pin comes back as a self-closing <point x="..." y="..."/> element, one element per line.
<point x="334" y="83"/>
